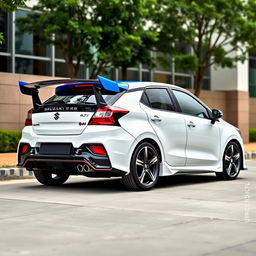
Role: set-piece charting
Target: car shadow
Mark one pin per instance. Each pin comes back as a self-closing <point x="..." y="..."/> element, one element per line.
<point x="115" y="185"/>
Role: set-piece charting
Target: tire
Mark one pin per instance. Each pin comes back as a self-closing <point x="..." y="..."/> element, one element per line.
<point x="144" y="168"/>
<point x="231" y="161"/>
<point x="47" y="177"/>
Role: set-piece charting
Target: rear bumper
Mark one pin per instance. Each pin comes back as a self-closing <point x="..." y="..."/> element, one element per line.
<point x="117" y="142"/>
<point x="31" y="161"/>
<point x="71" y="163"/>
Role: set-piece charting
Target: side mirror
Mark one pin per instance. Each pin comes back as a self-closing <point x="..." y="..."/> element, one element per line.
<point x="216" y="115"/>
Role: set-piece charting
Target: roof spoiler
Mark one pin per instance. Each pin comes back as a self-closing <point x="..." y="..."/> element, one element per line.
<point x="72" y="87"/>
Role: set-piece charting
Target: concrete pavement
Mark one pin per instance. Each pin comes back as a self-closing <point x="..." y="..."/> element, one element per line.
<point x="183" y="215"/>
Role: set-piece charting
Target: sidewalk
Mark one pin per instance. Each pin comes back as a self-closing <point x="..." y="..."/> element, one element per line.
<point x="8" y="163"/>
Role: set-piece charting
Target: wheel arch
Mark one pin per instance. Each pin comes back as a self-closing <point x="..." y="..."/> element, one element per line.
<point x="154" y="143"/>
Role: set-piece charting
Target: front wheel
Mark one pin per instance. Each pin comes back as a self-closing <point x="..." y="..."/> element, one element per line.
<point x="232" y="160"/>
<point x="144" y="168"/>
<point x="50" y="178"/>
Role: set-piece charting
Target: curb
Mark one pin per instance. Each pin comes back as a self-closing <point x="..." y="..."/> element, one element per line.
<point x="250" y="155"/>
<point x="14" y="173"/>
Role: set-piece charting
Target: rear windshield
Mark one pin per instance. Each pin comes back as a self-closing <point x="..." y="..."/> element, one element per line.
<point x="81" y="99"/>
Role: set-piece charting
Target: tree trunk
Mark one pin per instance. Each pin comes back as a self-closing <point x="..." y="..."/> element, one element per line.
<point x="198" y="81"/>
<point x="97" y="71"/>
<point x="71" y="69"/>
<point x="124" y="73"/>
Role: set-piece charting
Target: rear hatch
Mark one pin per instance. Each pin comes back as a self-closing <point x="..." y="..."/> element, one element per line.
<point x="70" y="110"/>
<point x="65" y="115"/>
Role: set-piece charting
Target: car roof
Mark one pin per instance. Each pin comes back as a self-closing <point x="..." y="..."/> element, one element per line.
<point x="141" y="84"/>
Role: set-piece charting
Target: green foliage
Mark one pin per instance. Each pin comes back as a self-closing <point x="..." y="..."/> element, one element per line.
<point x="10" y="5"/>
<point x="99" y="32"/>
<point x="252" y="134"/>
<point x="214" y="30"/>
<point x="9" y="140"/>
<point x="1" y="38"/>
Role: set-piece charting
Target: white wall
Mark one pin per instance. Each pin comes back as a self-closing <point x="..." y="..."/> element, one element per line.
<point x="225" y="79"/>
<point x="31" y="3"/>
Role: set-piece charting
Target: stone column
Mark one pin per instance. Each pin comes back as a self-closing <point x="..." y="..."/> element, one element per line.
<point x="235" y="82"/>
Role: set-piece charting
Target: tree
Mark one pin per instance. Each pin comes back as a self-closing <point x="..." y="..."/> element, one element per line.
<point x="96" y="32"/>
<point x="68" y="24"/>
<point x="9" y="6"/>
<point x="129" y="36"/>
<point x="219" y="32"/>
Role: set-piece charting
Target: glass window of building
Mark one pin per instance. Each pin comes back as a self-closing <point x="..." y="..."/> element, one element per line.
<point x="252" y="75"/>
<point x="183" y="81"/>
<point x="5" y="64"/>
<point x="132" y="75"/>
<point x="61" y="69"/>
<point x="162" y="77"/>
<point x="34" y="67"/>
<point x="163" y="62"/>
<point x="5" y="30"/>
<point x="28" y="44"/>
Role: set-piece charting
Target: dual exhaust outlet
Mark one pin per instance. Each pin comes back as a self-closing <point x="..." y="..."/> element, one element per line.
<point x="83" y="168"/>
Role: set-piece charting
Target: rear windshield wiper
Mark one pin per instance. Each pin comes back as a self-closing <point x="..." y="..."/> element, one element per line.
<point x="55" y="102"/>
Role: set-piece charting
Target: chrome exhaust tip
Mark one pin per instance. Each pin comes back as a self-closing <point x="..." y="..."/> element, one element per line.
<point x="83" y="168"/>
<point x="79" y="167"/>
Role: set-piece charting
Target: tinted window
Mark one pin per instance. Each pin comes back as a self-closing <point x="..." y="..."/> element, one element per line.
<point x="189" y="105"/>
<point x="83" y="99"/>
<point x="144" y="99"/>
<point x="160" y="99"/>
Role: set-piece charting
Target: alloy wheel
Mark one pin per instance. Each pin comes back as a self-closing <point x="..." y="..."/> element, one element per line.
<point x="232" y="160"/>
<point x="147" y="166"/>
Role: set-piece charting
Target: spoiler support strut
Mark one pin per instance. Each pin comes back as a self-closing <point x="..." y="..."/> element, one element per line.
<point x="103" y="85"/>
<point x="35" y="98"/>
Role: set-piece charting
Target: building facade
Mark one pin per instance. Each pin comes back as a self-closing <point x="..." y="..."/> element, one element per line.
<point x="22" y="57"/>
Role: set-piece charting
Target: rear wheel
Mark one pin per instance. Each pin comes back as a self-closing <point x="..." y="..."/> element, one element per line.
<point x="232" y="160"/>
<point x="144" y="168"/>
<point x="51" y="178"/>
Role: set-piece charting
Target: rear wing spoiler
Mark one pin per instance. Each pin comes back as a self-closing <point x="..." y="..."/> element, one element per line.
<point x="74" y="87"/>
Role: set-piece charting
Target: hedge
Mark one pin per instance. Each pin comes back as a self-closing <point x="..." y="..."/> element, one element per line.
<point x="252" y="134"/>
<point x="9" y="140"/>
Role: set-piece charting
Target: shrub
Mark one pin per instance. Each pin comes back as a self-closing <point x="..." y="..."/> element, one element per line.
<point x="252" y="134"/>
<point x="9" y="140"/>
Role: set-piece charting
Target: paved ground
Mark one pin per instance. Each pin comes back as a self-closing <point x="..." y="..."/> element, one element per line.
<point x="184" y="215"/>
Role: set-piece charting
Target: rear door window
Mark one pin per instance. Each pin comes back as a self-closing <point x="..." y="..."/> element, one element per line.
<point x="159" y="98"/>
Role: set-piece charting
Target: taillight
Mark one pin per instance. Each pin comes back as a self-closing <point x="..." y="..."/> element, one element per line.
<point x="98" y="149"/>
<point x="28" y="120"/>
<point x="108" y="116"/>
<point x="24" y="148"/>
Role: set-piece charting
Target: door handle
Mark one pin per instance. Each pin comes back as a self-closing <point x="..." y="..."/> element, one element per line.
<point x="156" y="118"/>
<point x="191" y="124"/>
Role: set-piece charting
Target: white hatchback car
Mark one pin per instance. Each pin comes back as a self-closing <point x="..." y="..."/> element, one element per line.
<point x="136" y="130"/>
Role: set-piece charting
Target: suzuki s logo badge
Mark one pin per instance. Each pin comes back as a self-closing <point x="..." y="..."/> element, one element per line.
<point x="56" y="116"/>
